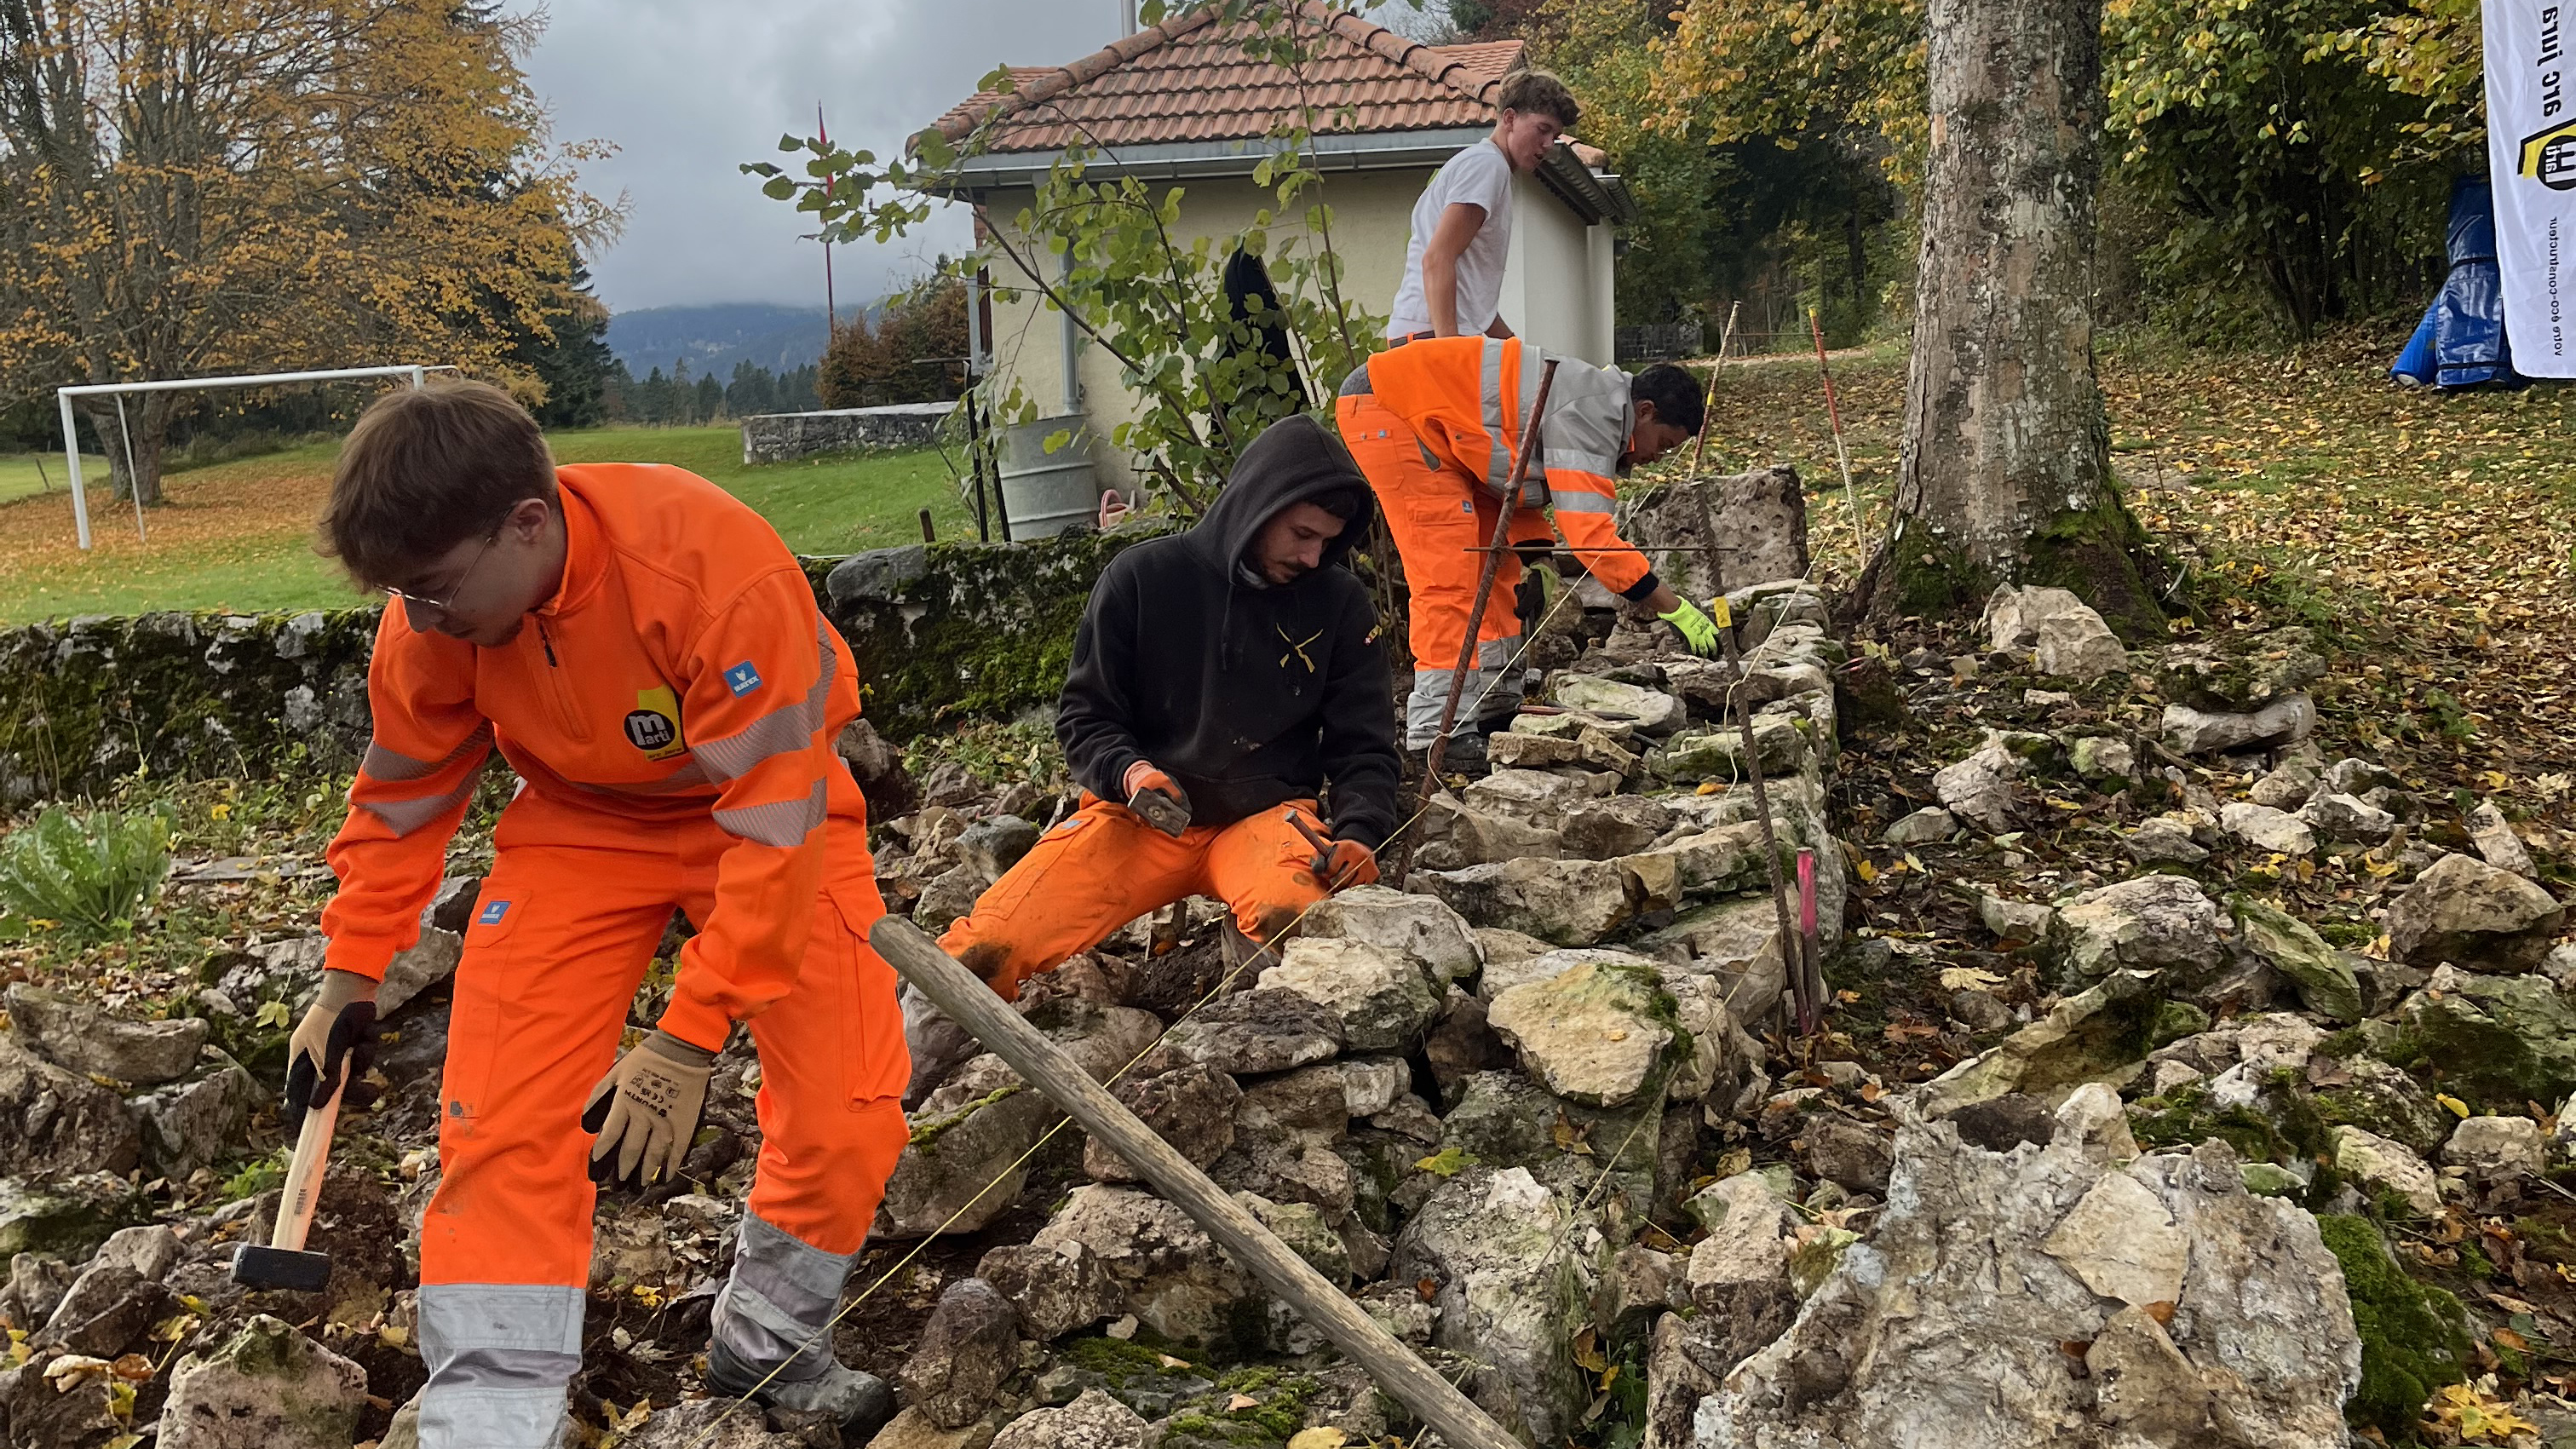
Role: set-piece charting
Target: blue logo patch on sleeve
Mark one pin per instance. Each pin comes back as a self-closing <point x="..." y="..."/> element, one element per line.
<point x="742" y="679"/>
<point x="492" y="913"/>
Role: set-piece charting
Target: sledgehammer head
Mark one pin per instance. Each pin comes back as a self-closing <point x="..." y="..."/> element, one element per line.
<point x="257" y="1265"/>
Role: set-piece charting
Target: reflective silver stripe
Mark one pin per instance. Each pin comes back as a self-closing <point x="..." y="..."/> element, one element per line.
<point x="402" y="817"/>
<point x="782" y="731"/>
<point x="499" y="1358"/>
<point x="1571" y="501"/>
<point x="777" y="1304"/>
<point x="1491" y="690"/>
<point x="783" y="823"/>
<point x="1589" y="417"/>
<point x="1498" y="461"/>
<point x="393" y="766"/>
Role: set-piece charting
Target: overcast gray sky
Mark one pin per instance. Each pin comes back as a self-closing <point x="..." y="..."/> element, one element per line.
<point x="689" y="89"/>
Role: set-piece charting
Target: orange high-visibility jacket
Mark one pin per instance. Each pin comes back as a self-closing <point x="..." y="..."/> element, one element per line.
<point x="1468" y="400"/>
<point x="682" y="673"/>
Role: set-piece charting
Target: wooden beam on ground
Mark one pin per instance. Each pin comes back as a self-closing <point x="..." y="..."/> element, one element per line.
<point x="1044" y="1066"/>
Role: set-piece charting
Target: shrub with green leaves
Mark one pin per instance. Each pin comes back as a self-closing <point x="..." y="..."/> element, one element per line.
<point x="90" y="874"/>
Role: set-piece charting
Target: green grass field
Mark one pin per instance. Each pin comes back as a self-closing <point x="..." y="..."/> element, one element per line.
<point x="25" y="473"/>
<point x="239" y="535"/>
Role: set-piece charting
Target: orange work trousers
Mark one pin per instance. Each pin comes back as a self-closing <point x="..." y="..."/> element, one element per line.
<point x="1104" y="866"/>
<point x="1442" y="522"/>
<point x="560" y="939"/>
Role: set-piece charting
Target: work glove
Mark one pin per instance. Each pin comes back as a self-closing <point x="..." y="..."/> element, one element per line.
<point x="645" y="1111"/>
<point x="1346" y="863"/>
<point x="1696" y="628"/>
<point x="1158" y="798"/>
<point x="333" y="1045"/>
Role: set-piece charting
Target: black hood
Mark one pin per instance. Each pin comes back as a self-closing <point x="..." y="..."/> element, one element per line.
<point x="1293" y="461"/>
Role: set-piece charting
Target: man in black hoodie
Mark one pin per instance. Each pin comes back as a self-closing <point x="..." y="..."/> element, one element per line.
<point x="1221" y="680"/>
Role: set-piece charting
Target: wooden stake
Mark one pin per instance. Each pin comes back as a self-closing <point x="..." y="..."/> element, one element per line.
<point x="1043" y="1065"/>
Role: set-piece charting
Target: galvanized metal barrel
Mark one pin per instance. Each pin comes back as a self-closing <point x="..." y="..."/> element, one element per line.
<point x="1046" y="493"/>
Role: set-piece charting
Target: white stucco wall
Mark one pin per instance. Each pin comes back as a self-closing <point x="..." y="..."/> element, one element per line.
<point x="1556" y="290"/>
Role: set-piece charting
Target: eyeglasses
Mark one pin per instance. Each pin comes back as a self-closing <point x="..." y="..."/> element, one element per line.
<point x="456" y="590"/>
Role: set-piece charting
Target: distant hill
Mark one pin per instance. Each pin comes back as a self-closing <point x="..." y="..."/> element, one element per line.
<point x="715" y="337"/>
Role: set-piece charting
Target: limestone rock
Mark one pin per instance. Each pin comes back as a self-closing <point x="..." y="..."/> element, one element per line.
<point x="53" y="1121"/>
<point x="1947" y="1324"/>
<point x="198" y="1120"/>
<point x="702" y="1424"/>
<point x="1436" y="937"/>
<point x="2285" y="721"/>
<point x="268" y="1387"/>
<point x="1619" y="825"/>
<point x="2468" y="912"/>
<point x="2264" y="828"/>
<point x="1381" y="999"/>
<point x="2164" y="840"/>
<point x="2014" y="615"/>
<point x="1191" y="1107"/>
<point x="108" y="1310"/>
<point x="1761" y="523"/>
<point x="2014" y="920"/>
<point x="1455" y="836"/>
<point x="2325" y="979"/>
<point x="966" y="1351"/>
<point x="2084" y="1037"/>
<point x="2496" y="843"/>
<point x="1848" y="1153"/>
<point x="2076" y="644"/>
<point x="2388" y="1167"/>
<point x="1536" y="798"/>
<point x="2346" y="817"/>
<point x="995" y="843"/>
<point x="1922" y="827"/>
<point x="1056" y="1289"/>
<point x="2150" y="922"/>
<point x="970" y="1136"/>
<point x="2240" y="676"/>
<point x="1568" y="902"/>
<point x="2494" y="1150"/>
<point x="1262" y="1030"/>
<point x="2289" y="787"/>
<point x="79" y="1037"/>
<point x="1093" y="1421"/>
<point x="1507" y="1303"/>
<point x="1596" y="1032"/>
<point x="1718" y="754"/>
<point x="1175" y="1278"/>
<point x="1652" y="711"/>
<point x="2506" y="1038"/>
<point x="1982" y="789"/>
<point x="2104" y="759"/>
<point x="66" y="1217"/>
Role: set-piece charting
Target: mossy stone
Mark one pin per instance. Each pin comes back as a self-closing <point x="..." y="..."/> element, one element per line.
<point x="2412" y="1335"/>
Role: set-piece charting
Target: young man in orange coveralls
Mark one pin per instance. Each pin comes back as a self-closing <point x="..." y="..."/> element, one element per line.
<point x="1220" y="680"/>
<point x="647" y="655"/>
<point x="1434" y="424"/>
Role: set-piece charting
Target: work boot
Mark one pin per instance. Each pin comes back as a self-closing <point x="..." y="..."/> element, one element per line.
<point x="1465" y="754"/>
<point x="771" y="1337"/>
<point x="938" y="1044"/>
<point x="860" y="1403"/>
<point x="1244" y="957"/>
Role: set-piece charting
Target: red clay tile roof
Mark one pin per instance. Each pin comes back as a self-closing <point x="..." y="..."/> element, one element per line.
<point x="1189" y="79"/>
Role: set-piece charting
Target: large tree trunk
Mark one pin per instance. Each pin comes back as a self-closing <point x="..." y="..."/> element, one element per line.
<point x="143" y="430"/>
<point x="2005" y="475"/>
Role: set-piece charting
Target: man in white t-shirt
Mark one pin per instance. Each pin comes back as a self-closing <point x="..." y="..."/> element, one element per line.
<point x="1462" y="226"/>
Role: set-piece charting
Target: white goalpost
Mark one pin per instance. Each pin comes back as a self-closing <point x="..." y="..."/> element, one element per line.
<point x="63" y="396"/>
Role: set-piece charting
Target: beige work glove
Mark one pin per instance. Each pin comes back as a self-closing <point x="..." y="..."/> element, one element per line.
<point x="645" y="1111"/>
<point x="333" y="1045"/>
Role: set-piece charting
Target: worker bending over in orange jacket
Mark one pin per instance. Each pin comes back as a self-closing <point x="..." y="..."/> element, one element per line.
<point x="647" y="655"/>
<point x="1221" y="679"/>
<point x="1434" y="425"/>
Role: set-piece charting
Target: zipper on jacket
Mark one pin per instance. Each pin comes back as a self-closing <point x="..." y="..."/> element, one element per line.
<point x="567" y="712"/>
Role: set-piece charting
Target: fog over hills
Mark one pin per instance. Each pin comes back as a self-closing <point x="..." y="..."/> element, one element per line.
<point x="715" y="336"/>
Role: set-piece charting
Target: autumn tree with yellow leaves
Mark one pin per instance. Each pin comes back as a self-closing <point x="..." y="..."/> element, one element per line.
<point x="201" y="186"/>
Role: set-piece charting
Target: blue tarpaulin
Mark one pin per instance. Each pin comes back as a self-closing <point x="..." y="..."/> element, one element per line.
<point x="2461" y="341"/>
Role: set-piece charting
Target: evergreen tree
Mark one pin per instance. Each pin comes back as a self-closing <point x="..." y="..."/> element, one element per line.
<point x="711" y="399"/>
<point x="571" y="358"/>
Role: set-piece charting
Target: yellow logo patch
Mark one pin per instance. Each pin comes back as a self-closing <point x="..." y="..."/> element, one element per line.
<point x="653" y="726"/>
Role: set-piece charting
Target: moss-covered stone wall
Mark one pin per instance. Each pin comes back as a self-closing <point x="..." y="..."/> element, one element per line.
<point x="941" y="632"/>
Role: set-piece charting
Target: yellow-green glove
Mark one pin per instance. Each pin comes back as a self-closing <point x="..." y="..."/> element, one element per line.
<point x="1696" y="628"/>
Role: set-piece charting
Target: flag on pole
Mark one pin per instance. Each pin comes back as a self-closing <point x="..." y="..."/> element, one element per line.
<point x="2531" y="153"/>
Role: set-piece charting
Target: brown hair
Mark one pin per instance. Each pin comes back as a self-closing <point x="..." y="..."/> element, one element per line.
<point x="1539" y="92"/>
<point x="425" y="469"/>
